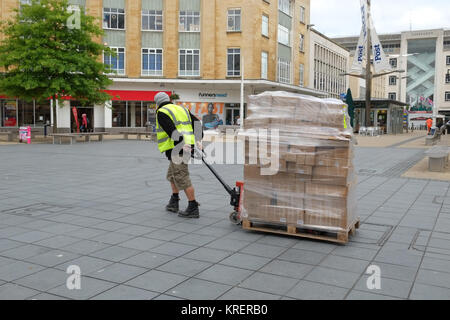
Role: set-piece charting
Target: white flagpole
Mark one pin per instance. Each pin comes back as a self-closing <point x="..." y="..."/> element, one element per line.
<point x="241" y="115"/>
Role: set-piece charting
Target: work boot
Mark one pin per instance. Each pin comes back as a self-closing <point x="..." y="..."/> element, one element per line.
<point x="192" y="211"/>
<point x="173" y="205"/>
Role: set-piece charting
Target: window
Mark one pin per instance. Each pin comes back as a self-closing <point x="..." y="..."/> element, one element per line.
<point x="302" y="14"/>
<point x="283" y="35"/>
<point x="447" y="96"/>
<point x="234" y="62"/>
<point x="285" y="6"/>
<point x="447" y="77"/>
<point x="264" y="64"/>
<point x="284" y="70"/>
<point x="448" y="60"/>
<point x="152" y="62"/>
<point x="392" y="96"/>
<point x="234" y="20"/>
<point x="302" y="43"/>
<point x="189" y="62"/>
<point x="393" y="62"/>
<point x="302" y="74"/>
<point x="117" y="63"/>
<point x="189" y="21"/>
<point x="113" y="18"/>
<point x="265" y="26"/>
<point x="152" y="20"/>
<point x="393" y="80"/>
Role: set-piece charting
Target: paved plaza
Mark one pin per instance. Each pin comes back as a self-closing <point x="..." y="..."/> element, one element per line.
<point x="101" y="207"/>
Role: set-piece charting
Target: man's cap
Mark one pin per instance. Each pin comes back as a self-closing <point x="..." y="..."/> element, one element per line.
<point x="161" y="97"/>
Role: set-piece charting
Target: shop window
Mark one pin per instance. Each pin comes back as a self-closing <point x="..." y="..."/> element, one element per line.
<point x="42" y="114"/>
<point x="26" y="113"/>
<point x="113" y="18"/>
<point x="8" y="113"/>
<point x="119" y="114"/>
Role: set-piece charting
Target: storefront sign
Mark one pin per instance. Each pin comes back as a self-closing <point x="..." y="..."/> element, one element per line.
<point x="203" y="95"/>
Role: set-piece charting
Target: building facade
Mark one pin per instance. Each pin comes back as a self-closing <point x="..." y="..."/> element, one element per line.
<point x="198" y="49"/>
<point x="328" y="61"/>
<point x="424" y="55"/>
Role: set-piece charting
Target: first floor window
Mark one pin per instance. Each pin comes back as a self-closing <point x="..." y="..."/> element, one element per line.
<point x="284" y="70"/>
<point x="234" y="62"/>
<point x="113" y="18"/>
<point x="264" y="63"/>
<point x="448" y="60"/>
<point x="152" y="62"/>
<point x="117" y="63"/>
<point x="189" y="21"/>
<point x="392" y="96"/>
<point x="447" y="77"/>
<point x="189" y="62"/>
<point x="234" y="20"/>
<point x="393" y="80"/>
<point x="302" y="74"/>
<point x="447" y="96"/>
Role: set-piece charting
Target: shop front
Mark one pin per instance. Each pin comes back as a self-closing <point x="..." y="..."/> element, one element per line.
<point x="386" y="114"/>
<point x="16" y="113"/>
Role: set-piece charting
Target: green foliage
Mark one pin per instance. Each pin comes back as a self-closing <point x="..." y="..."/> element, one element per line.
<point x="44" y="58"/>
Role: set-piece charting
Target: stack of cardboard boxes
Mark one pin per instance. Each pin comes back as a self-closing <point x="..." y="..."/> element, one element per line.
<point x="302" y="173"/>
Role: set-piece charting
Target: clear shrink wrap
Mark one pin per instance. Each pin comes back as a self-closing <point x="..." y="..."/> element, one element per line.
<point x="301" y="173"/>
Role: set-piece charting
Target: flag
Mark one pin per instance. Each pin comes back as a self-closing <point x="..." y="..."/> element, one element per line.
<point x="380" y="61"/>
<point x="360" y="53"/>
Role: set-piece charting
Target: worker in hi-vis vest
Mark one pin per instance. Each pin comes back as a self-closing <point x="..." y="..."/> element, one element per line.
<point x="175" y="134"/>
<point x="429" y="124"/>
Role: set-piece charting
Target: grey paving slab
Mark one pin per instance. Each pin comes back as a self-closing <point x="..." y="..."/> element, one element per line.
<point x="148" y="260"/>
<point x="86" y="264"/>
<point x="57" y="242"/>
<point x="245" y="261"/>
<point x="32" y="236"/>
<point x="26" y="251"/>
<point x="86" y="246"/>
<point x="196" y="289"/>
<point x="113" y="238"/>
<point x="228" y="244"/>
<point x="157" y="281"/>
<point x="315" y="246"/>
<point x="302" y="256"/>
<point x="173" y="249"/>
<point x="241" y="294"/>
<point x="389" y="287"/>
<point x="115" y="253"/>
<point x="6" y="244"/>
<point x="429" y="292"/>
<point x="141" y="243"/>
<point x="345" y="264"/>
<point x="288" y="269"/>
<point x="195" y="239"/>
<point x="434" y="278"/>
<point x="18" y="269"/>
<point x="166" y="235"/>
<point x="208" y="254"/>
<point x="52" y="258"/>
<point x="11" y="291"/>
<point x="117" y="272"/>
<point x="430" y="263"/>
<point x="263" y="250"/>
<point x="361" y="295"/>
<point x="269" y="283"/>
<point x="334" y="277"/>
<point x="46" y="297"/>
<point x="123" y="292"/>
<point x="89" y="288"/>
<point x="44" y="280"/>
<point x="224" y="274"/>
<point x="183" y="266"/>
<point x="306" y="290"/>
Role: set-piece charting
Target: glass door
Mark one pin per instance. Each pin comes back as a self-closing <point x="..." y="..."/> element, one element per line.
<point x="8" y="112"/>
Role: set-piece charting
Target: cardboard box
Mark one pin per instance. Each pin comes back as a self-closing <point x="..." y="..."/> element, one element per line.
<point x="324" y="190"/>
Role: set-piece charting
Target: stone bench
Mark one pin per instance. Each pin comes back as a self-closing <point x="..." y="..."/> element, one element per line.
<point x="58" y="137"/>
<point x="9" y="135"/>
<point x="438" y="158"/>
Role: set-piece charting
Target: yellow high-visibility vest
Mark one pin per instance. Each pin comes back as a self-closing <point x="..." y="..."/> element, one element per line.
<point x="183" y="123"/>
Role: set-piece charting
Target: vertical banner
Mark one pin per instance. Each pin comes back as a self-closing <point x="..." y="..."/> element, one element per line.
<point x="75" y="115"/>
<point x="380" y="61"/>
<point x="360" y="53"/>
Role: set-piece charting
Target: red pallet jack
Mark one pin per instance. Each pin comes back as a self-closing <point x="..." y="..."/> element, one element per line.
<point x="235" y="193"/>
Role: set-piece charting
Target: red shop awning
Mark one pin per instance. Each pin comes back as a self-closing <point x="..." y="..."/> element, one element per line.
<point x="131" y="95"/>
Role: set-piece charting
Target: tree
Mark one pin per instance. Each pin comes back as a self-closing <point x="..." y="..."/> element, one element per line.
<point x="49" y="52"/>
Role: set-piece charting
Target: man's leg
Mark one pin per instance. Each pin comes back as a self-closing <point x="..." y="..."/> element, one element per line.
<point x="174" y="201"/>
<point x="183" y="182"/>
<point x="190" y="193"/>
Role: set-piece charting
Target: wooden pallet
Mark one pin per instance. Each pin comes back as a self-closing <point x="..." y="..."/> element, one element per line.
<point x="292" y="230"/>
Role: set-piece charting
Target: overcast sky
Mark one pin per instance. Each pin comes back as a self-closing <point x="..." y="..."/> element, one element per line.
<point x="343" y="18"/>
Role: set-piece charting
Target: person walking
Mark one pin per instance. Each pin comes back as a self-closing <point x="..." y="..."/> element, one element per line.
<point x="174" y="126"/>
<point x="84" y="123"/>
